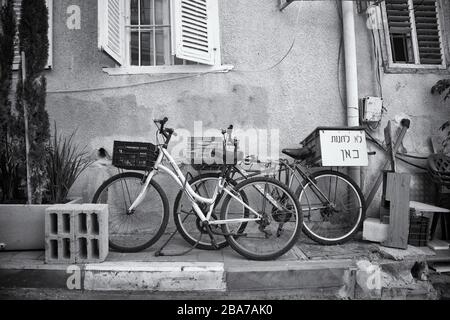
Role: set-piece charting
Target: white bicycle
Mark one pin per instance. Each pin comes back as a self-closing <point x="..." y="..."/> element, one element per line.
<point x="260" y="218"/>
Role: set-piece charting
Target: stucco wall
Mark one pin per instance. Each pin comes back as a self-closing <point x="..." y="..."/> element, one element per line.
<point x="298" y="95"/>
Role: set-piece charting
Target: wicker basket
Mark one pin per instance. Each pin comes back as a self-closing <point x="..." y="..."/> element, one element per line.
<point x="207" y="154"/>
<point x="439" y="169"/>
<point x="138" y="156"/>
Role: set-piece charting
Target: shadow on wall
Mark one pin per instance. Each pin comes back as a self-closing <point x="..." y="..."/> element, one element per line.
<point x="93" y="119"/>
<point x="243" y="106"/>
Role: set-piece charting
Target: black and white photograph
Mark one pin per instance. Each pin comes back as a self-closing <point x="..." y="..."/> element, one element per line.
<point x="226" y="156"/>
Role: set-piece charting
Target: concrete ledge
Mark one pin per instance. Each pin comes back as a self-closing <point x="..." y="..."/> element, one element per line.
<point x="33" y="278"/>
<point x="290" y="275"/>
<point x="159" y="276"/>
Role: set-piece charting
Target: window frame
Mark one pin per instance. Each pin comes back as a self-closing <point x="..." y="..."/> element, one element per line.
<point x="394" y="67"/>
<point x="128" y="69"/>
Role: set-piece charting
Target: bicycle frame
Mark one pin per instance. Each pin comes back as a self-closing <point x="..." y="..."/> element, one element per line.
<point x="301" y="174"/>
<point x="181" y="180"/>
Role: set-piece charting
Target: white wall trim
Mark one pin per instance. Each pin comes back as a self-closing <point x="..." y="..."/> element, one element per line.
<point x="167" y="69"/>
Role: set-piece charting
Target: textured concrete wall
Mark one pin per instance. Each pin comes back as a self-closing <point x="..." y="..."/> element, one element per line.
<point x="295" y="97"/>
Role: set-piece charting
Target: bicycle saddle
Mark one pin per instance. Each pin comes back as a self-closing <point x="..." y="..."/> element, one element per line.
<point x="298" y="154"/>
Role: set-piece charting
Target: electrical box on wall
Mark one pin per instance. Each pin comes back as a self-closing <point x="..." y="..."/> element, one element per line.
<point x="372" y="109"/>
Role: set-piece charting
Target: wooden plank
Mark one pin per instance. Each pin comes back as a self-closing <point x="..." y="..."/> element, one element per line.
<point x="423" y="207"/>
<point x="441" y="267"/>
<point x="379" y="180"/>
<point x="438" y="245"/>
<point x="398" y="230"/>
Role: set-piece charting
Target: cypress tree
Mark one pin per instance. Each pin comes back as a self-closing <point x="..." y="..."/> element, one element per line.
<point x="31" y="92"/>
<point x="8" y="164"/>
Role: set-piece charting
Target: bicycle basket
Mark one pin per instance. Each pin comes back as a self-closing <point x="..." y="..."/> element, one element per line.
<point x="206" y="153"/>
<point x="134" y="155"/>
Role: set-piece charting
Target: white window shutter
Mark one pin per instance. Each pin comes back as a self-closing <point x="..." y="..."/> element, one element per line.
<point x="111" y="28"/>
<point x="17" y="7"/>
<point x="196" y="30"/>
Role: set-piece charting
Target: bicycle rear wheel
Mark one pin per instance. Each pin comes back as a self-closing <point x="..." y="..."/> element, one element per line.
<point x="335" y="222"/>
<point x="279" y="227"/>
<point x="136" y="231"/>
<point x="186" y="220"/>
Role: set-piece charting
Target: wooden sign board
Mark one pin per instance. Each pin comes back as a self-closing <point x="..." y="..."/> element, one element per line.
<point x="343" y="148"/>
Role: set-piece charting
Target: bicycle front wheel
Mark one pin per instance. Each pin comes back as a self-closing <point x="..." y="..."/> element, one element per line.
<point x="273" y="225"/>
<point x="333" y="207"/>
<point x="137" y="230"/>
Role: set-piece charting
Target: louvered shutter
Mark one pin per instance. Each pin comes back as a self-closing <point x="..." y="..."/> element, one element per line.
<point x="195" y="30"/>
<point x="398" y="16"/>
<point x="17" y="7"/>
<point x="111" y="28"/>
<point x="428" y="34"/>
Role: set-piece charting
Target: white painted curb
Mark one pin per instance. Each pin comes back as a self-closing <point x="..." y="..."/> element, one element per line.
<point x="155" y="276"/>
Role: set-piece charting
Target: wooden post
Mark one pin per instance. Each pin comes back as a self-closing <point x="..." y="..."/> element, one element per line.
<point x="376" y="186"/>
<point x="397" y="196"/>
<point x="27" y="139"/>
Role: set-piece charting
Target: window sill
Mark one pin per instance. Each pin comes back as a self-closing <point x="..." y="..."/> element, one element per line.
<point x="166" y="69"/>
<point x="415" y="69"/>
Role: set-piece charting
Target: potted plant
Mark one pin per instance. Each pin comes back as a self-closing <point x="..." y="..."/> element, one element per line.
<point x="64" y="164"/>
<point x="65" y="161"/>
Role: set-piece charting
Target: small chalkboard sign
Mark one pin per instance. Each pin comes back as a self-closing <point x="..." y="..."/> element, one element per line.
<point x="343" y="148"/>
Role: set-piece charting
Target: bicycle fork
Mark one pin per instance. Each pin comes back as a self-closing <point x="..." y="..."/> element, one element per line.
<point x="143" y="192"/>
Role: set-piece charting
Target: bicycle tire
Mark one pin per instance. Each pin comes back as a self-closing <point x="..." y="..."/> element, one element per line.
<point x="165" y="218"/>
<point x="233" y="239"/>
<point x="356" y="192"/>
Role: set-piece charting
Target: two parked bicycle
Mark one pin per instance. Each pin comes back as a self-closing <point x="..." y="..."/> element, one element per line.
<point x="260" y="215"/>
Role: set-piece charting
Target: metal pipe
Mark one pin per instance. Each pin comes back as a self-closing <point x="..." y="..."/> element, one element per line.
<point x="351" y="73"/>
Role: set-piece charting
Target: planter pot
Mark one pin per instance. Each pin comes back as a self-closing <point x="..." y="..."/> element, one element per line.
<point x="22" y="227"/>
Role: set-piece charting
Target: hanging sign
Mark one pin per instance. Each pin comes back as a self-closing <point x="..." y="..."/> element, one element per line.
<point x="343" y="148"/>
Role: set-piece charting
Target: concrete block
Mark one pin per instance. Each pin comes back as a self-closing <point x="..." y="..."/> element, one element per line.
<point x="59" y="221"/>
<point x="76" y="233"/>
<point x="374" y="230"/>
<point x="91" y="233"/>
<point x="59" y="250"/>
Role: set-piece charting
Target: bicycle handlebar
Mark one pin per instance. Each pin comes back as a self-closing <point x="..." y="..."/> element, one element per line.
<point x="166" y="132"/>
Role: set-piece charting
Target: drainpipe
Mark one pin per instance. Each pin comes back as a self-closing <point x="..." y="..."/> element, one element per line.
<point x="351" y="73"/>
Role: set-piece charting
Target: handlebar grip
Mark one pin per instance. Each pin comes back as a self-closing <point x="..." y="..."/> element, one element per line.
<point x="163" y="121"/>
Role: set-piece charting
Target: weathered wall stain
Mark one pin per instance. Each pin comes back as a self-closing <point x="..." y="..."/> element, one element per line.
<point x="106" y="117"/>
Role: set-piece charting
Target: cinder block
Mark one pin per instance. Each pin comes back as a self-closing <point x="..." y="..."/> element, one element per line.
<point x="91" y="233"/>
<point x="59" y="232"/>
<point x="374" y="230"/>
<point x="76" y="233"/>
<point x="59" y="221"/>
<point x="59" y="250"/>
